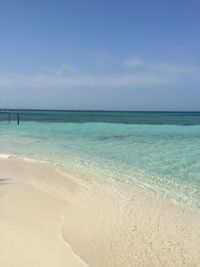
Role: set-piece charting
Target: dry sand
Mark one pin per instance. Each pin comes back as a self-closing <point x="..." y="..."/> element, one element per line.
<point x="121" y="226"/>
<point x="30" y="226"/>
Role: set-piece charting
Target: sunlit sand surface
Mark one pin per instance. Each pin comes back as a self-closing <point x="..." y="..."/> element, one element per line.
<point x="48" y="218"/>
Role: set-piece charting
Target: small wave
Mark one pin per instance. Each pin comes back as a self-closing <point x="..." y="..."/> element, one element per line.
<point x="5" y="156"/>
<point x="13" y="156"/>
<point x="32" y="160"/>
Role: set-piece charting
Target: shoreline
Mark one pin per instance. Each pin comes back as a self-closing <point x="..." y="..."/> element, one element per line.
<point x="30" y="226"/>
<point x="110" y="228"/>
<point x="85" y="178"/>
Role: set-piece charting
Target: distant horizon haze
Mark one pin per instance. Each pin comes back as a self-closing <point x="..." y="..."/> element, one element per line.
<point x="96" y="110"/>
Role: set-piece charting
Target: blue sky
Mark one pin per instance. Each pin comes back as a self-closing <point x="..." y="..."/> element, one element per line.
<point x="118" y="55"/>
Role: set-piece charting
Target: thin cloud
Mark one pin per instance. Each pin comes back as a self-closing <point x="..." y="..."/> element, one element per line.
<point x="63" y="69"/>
<point x="174" y="68"/>
<point x="162" y="67"/>
<point x="150" y="75"/>
<point x="133" y="62"/>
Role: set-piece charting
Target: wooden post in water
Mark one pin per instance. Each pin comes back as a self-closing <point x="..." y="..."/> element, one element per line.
<point x="18" y="118"/>
<point x="9" y="117"/>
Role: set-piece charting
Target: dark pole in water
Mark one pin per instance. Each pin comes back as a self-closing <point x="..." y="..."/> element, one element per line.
<point x="18" y="118"/>
<point x="9" y="117"/>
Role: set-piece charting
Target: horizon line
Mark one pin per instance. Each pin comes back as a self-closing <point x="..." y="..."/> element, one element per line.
<point x="95" y="110"/>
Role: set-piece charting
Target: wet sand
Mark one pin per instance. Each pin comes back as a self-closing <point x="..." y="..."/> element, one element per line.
<point x="43" y="211"/>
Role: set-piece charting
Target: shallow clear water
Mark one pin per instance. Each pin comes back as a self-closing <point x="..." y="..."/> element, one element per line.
<point x="158" y="151"/>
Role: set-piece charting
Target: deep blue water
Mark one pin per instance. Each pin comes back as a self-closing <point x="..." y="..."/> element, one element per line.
<point x="125" y="117"/>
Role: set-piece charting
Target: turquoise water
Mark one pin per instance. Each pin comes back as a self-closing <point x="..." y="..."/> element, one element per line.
<point x="158" y="151"/>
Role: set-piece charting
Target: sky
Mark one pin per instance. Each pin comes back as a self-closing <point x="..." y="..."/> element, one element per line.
<point x="105" y="54"/>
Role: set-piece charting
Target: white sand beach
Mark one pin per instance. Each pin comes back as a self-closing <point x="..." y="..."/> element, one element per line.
<point x="30" y="226"/>
<point x="42" y="211"/>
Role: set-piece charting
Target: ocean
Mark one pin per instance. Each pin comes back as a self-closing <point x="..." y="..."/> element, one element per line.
<point x="158" y="151"/>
